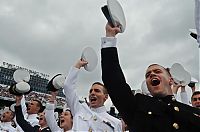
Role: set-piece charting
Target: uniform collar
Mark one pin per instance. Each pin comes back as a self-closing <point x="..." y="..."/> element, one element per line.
<point x="168" y="98"/>
<point x="41" y="128"/>
<point x="99" y="109"/>
<point x="6" y="123"/>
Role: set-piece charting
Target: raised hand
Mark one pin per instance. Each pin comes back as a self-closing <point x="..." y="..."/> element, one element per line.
<point x="111" y="31"/>
<point x="18" y="100"/>
<point x="81" y="63"/>
<point x="52" y="98"/>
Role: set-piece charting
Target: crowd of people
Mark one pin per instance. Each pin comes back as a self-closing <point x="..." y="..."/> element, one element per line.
<point x="43" y="97"/>
<point x="159" y="111"/>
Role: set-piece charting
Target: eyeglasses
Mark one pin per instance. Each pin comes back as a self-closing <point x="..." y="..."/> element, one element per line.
<point x="195" y="99"/>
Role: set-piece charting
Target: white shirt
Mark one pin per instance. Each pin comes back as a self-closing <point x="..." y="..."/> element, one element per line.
<point x="84" y="118"/>
<point x="6" y="127"/>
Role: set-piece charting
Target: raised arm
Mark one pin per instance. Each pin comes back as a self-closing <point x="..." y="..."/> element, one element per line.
<point x="72" y="98"/>
<point x="25" y="125"/>
<point x="49" y="113"/>
<point x="113" y="77"/>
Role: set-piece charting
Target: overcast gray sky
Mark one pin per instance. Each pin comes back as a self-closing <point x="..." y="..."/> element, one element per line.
<point x="49" y="35"/>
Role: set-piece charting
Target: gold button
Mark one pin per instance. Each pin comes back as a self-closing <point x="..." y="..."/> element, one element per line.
<point x="176" y="109"/>
<point x="173" y="98"/>
<point x="149" y="112"/>
<point x="176" y="126"/>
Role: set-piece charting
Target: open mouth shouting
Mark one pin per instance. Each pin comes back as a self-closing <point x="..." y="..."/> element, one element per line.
<point x="155" y="82"/>
<point x="93" y="99"/>
<point x="62" y="121"/>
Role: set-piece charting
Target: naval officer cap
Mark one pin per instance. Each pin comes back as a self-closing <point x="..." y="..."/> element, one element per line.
<point x="21" y="86"/>
<point x="192" y="82"/>
<point x="21" y="75"/>
<point x="180" y="75"/>
<point x="89" y="55"/>
<point x="193" y="33"/>
<point x="114" y="13"/>
<point x="56" y="83"/>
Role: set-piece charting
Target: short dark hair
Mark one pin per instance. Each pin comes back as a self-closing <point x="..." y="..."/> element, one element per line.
<point x="167" y="69"/>
<point x="39" y="104"/>
<point x="70" y="112"/>
<point x="101" y="84"/>
<point x="195" y="93"/>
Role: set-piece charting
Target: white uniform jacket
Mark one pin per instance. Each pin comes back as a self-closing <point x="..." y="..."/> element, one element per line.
<point x="84" y="118"/>
<point x="6" y="127"/>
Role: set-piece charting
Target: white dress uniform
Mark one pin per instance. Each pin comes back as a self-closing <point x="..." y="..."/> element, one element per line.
<point x="7" y="127"/>
<point x="183" y="97"/>
<point x="50" y="118"/>
<point x="84" y="117"/>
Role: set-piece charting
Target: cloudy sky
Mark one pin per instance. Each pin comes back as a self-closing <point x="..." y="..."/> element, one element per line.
<point x="49" y="35"/>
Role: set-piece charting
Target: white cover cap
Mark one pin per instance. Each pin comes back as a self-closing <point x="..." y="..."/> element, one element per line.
<point x="22" y="87"/>
<point x="90" y="56"/>
<point x="58" y="81"/>
<point x="180" y="75"/>
<point x="21" y="75"/>
<point x="194" y="80"/>
<point x="117" y="14"/>
<point x="194" y="31"/>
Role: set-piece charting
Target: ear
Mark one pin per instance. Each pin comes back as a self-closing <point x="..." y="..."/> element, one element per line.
<point x="106" y="97"/>
<point x="38" y="109"/>
<point x="171" y="81"/>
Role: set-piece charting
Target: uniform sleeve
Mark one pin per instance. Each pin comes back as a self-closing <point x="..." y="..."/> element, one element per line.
<point x="184" y="97"/>
<point x="72" y="98"/>
<point x="23" y="105"/>
<point x="115" y="82"/>
<point x="51" y="121"/>
<point x="26" y="126"/>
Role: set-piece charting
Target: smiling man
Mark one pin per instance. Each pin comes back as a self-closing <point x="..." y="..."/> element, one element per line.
<point x="142" y="113"/>
<point x="195" y="99"/>
<point x="93" y="117"/>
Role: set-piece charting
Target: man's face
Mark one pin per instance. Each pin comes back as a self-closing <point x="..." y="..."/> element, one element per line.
<point x="158" y="81"/>
<point x="196" y="101"/>
<point x="7" y="116"/>
<point x="97" y="97"/>
<point x="33" y="107"/>
<point x="66" y="120"/>
<point x="42" y="119"/>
